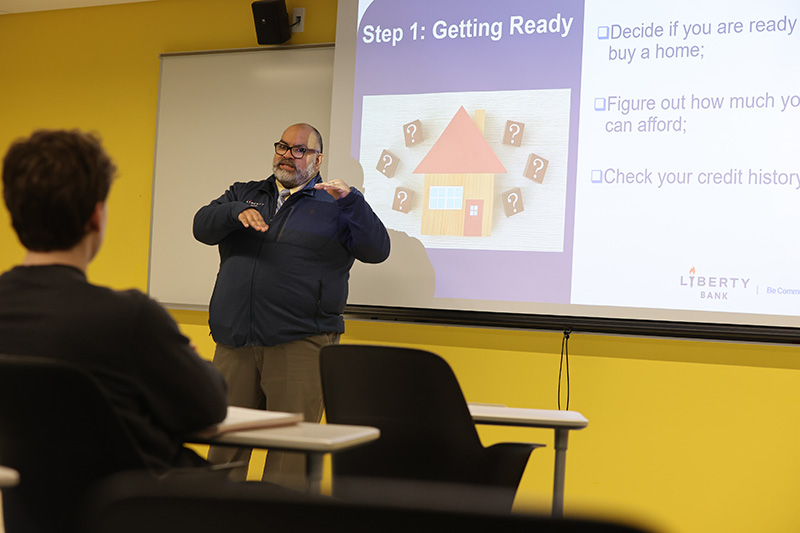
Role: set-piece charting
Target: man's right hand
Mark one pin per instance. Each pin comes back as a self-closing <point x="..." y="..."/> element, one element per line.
<point x="251" y="218"/>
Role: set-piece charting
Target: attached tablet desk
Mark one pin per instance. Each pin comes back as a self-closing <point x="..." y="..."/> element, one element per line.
<point x="318" y="439"/>
<point x="561" y="421"/>
<point x="314" y="439"/>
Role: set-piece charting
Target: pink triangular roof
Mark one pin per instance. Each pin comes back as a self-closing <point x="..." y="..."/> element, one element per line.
<point x="461" y="149"/>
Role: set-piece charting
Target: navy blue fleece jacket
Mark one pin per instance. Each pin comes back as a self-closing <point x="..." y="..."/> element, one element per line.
<point x="289" y="282"/>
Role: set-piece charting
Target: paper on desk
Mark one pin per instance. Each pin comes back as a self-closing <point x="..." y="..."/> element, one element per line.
<point x="242" y="419"/>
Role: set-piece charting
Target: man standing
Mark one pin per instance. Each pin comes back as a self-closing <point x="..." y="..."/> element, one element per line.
<point x="55" y="185"/>
<point x="286" y="246"/>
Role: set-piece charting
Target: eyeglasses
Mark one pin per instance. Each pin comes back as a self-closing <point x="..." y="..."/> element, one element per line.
<point x="298" y="152"/>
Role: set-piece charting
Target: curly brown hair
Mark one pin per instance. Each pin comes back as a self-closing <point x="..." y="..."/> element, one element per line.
<point x="52" y="182"/>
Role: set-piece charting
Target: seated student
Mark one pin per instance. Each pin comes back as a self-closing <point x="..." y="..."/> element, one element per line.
<point x="55" y="185"/>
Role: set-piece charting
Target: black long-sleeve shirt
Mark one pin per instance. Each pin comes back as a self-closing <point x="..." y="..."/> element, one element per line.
<point x="160" y="387"/>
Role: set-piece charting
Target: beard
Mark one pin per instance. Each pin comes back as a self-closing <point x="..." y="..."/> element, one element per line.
<point x="292" y="178"/>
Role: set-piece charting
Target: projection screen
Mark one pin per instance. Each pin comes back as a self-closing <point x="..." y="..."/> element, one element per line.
<point x="606" y="165"/>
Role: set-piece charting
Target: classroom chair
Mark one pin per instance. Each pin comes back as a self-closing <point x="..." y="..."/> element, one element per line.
<point x="58" y="430"/>
<point x="429" y="452"/>
<point x="132" y="503"/>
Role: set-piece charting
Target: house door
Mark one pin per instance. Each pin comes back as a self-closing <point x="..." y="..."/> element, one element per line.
<point x="473" y="218"/>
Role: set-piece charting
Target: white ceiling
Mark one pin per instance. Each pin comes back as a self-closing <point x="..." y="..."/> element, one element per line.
<point x="24" y="6"/>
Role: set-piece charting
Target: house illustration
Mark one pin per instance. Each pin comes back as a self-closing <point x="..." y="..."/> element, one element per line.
<point x="459" y="180"/>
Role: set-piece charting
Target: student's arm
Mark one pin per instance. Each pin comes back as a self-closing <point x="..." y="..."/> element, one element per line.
<point x="184" y="392"/>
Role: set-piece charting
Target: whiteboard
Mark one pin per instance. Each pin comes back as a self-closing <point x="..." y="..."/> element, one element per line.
<point x="219" y="114"/>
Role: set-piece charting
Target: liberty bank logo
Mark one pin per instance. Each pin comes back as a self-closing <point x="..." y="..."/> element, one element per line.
<point x="713" y="287"/>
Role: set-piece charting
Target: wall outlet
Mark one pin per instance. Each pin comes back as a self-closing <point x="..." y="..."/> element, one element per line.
<point x="298" y="19"/>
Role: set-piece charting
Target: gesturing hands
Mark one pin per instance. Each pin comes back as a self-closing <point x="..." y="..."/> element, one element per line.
<point x="336" y="188"/>
<point x="251" y="218"/>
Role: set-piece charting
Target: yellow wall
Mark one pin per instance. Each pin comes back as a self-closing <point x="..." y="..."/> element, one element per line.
<point x="687" y="436"/>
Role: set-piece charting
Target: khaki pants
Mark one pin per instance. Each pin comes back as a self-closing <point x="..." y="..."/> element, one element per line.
<point x="279" y="378"/>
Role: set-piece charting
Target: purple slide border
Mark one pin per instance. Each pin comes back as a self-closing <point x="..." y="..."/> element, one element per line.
<point x="518" y="62"/>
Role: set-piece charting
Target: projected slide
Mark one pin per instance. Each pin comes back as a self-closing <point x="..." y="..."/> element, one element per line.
<point x="610" y="158"/>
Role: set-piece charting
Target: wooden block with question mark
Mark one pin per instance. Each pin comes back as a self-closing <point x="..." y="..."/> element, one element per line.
<point x="403" y="199"/>
<point x="387" y="163"/>
<point x="536" y="168"/>
<point x="412" y="132"/>
<point x="513" y="133"/>
<point x="512" y="202"/>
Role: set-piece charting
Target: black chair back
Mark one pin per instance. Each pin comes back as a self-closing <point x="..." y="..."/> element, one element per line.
<point x="59" y="431"/>
<point x="131" y="503"/>
<point x="427" y="432"/>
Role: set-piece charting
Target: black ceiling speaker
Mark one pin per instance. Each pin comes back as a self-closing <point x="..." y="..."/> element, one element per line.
<point x="272" y="21"/>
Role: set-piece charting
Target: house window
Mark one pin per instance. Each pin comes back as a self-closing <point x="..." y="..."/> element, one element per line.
<point x="473" y="210"/>
<point x="446" y="197"/>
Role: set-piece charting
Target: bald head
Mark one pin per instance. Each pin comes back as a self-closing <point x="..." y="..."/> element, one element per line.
<point x="314" y="137"/>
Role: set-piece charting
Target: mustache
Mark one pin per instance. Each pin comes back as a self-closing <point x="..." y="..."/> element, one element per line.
<point x="288" y="162"/>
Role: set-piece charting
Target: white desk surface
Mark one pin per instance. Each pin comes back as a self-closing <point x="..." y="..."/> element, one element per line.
<point x="304" y="436"/>
<point x="8" y="476"/>
<point x="538" y="418"/>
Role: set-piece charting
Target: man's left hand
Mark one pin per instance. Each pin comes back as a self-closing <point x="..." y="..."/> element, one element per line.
<point x="336" y="188"/>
